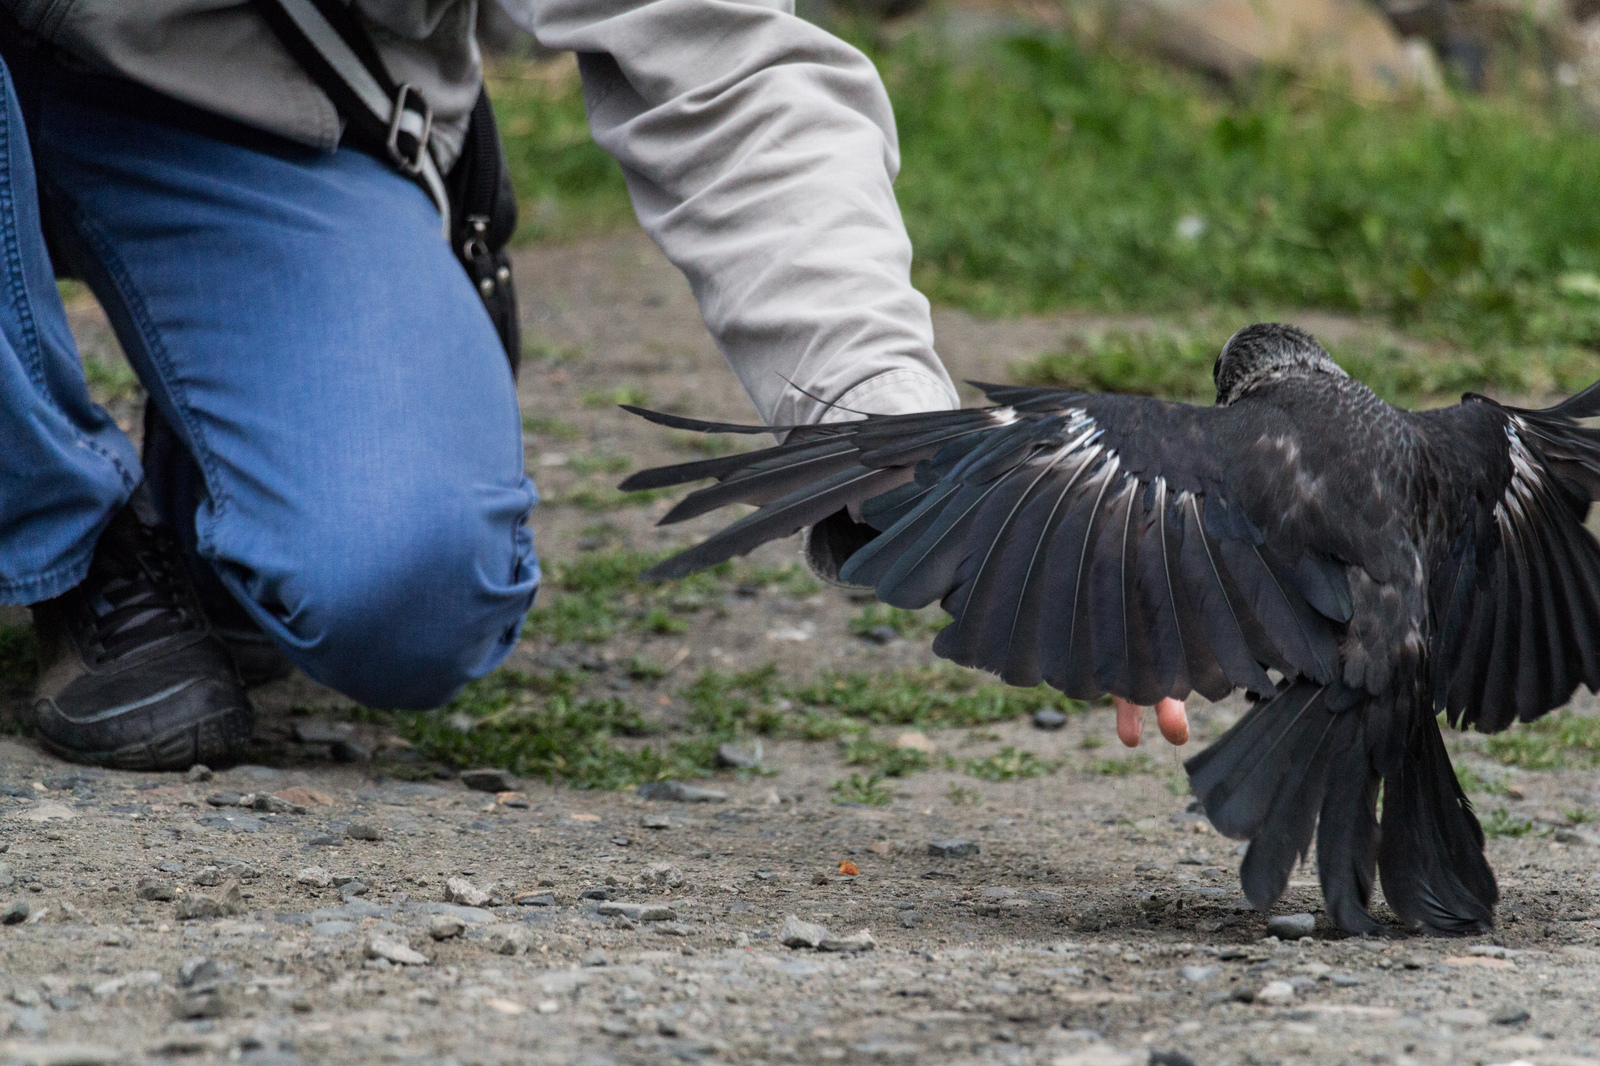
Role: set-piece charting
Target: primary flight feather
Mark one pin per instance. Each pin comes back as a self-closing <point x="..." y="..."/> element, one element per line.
<point x="1387" y="565"/>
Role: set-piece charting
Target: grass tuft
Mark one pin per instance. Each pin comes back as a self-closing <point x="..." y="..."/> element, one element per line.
<point x="1553" y="742"/>
<point x="1138" y="763"/>
<point x="19" y="655"/>
<point x="1009" y="764"/>
<point x="930" y="697"/>
<point x="856" y="788"/>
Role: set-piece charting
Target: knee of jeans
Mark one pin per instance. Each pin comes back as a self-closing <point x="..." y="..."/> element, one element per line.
<point x="407" y="628"/>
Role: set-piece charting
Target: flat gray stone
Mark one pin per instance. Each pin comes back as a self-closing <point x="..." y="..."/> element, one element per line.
<point x="858" y="941"/>
<point x="381" y="947"/>
<point x="679" y="792"/>
<point x="234" y="822"/>
<point x="445" y="926"/>
<point x="952" y="849"/>
<point x="489" y="779"/>
<point x="738" y="756"/>
<point x="802" y="934"/>
<point x="62" y="1054"/>
<point x="638" y="912"/>
<point x="1048" y="718"/>
<point x="1291" y="926"/>
<point x="322" y="731"/>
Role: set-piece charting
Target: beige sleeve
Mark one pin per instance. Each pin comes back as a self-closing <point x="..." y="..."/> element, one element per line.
<point x="760" y="153"/>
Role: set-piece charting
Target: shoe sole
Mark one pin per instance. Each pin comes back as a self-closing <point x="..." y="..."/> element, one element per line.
<point x="213" y="740"/>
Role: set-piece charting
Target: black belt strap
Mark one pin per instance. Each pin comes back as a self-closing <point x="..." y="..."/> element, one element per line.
<point x="329" y="42"/>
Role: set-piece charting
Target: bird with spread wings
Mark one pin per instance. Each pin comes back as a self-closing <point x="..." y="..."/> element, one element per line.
<point x="1357" y="569"/>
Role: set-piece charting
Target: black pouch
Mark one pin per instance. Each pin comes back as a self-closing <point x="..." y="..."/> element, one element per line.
<point x="483" y="215"/>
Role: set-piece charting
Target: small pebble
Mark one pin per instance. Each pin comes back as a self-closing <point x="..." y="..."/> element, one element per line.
<point x="738" y="756"/>
<point x="952" y="849"/>
<point x="1275" y="994"/>
<point x="15" y="913"/>
<point x="488" y="780"/>
<point x="596" y="957"/>
<point x="363" y="831"/>
<point x="151" y="889"/>
<point x="1048" y="718"/>
<point x="1291" y="926"/>
<point x="197" y="773"/>
<point x="655" y="821"/>
<point x="460" y="890"/>
<point x="395" y="951"/>
<point x="315" y="877"/>
<point x="445" y="926"/>
<point x="678" y="792"/>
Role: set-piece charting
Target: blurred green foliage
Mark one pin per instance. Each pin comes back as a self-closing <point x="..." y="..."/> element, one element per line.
<point x="1039" y="173"/>
<point x="1049" y="175"/>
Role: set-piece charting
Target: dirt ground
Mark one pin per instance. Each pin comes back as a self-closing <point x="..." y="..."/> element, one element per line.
<point x="1087" y="920"/>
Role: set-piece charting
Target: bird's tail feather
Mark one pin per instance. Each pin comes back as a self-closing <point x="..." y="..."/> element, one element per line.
<point x="1431" y="853"/>
<point x="1296" y="758"/>
<point x="1302" y="762"/>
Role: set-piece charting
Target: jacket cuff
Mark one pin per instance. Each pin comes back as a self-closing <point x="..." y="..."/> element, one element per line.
<point x="828" y="544"/>
<point x="893" y="392"/>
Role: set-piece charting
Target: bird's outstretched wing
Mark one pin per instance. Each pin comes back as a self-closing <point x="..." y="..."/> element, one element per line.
<point x="1516" y="601"/>
<point x="1099" y="543"/>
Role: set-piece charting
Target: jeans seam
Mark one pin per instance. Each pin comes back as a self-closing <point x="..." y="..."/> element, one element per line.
<point x="31" y="355"/>
<point x="166" y="374"/>
<point x="22" y="589"/>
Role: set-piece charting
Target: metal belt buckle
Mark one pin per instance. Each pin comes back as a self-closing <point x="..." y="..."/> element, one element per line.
<point x="402" y="96"/>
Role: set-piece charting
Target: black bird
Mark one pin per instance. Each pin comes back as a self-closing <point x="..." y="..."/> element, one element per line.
<point x="1356" y="568"/>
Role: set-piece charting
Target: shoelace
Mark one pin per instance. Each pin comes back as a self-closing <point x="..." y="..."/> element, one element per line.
<point x="135" y="591"/>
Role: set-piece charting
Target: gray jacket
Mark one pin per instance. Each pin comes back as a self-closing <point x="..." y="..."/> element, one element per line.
<point x="759" y="151"/>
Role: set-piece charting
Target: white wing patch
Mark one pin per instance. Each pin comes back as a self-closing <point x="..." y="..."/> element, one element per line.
<point x="1512" y="510"/>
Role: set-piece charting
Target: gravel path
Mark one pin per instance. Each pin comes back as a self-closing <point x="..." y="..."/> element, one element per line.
<point x="302" y="909"/>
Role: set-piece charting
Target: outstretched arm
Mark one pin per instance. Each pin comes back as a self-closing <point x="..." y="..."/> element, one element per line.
<point x="760" y="153"/>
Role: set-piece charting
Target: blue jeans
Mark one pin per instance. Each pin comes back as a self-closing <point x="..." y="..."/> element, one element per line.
<point x="349" y="462"/>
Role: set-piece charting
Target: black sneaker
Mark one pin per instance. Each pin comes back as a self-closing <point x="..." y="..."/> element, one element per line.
<point x="130" y="673"/>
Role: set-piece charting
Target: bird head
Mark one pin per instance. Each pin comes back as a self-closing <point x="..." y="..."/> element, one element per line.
<point x="1267" y="351"/>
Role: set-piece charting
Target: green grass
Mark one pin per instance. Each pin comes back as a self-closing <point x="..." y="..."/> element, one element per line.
<point x="1041" y="174"/>
<point x="1555" y="741"/>
<point x="962" y="796"/>
<point x="1176" y="364"/>
<point x="1473" y="782"/>
<point x="566" y="186"/>
<point x="19" y="654"/>
<point x="598" y="464"/>
<point x="1138" y="763"/>
<point x="554" y="428"/>
<point x="599" y="593"/>
<point x="711" y="445"/>
<point x="603" y="499"/>
<point x="925" y="622"/>
<point x="538" y="726"/>
<point x="1051" y="175"/>
<point x="934" y="696"/>
<point x="630" y="394"/>
<point x="1009" y="764"/>
<point x="884" y="759"/>
<point x="1500" y="823"/>
<point x="856" y="788"/>
<point x="110" y="382"/>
